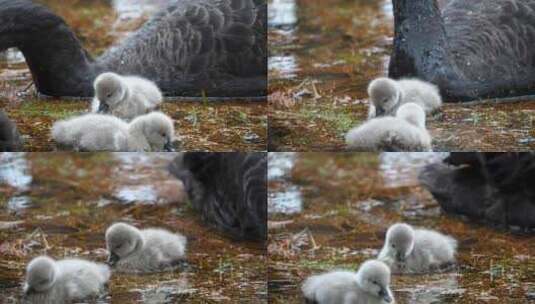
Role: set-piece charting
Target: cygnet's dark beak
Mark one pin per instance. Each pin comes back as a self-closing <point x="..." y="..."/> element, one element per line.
<point x="379" y="111"/>
<point x="384" y="294"/>
<point x="103" y="107"/>
<point x="168" y="147"/>
<point x="113" y="259"/>
<point x="400" y="257"/>
<point x="29" y="291"/>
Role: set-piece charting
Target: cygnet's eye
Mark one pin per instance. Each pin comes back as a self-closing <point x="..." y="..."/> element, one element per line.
<point x="375" y="282"/>
<point x="163" y="134"/>
<point x="109" y="95"/>
<point x="393" y="246"/>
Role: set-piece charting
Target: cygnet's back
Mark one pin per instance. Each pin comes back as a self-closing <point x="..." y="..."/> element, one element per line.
<point x="65" y="281"/>
<point x="171" y="245"/>
<point x="422" y="93"/>
<point x="92" y="132"/>
<point x="431" y="249"/>
<point x="146" y="88"/>
<point x="82" y="278"/>
<point x="332" y="288"/>
<point x="401" y="133"/>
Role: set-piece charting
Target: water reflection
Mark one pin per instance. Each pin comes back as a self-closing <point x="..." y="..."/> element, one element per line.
<point x="143" y="193"/>
<point x="280" y="164"/>
<point x="11" y="56"/>
<point x="17" y="204"/>
<point x="430" y="289"/>
<point x="133" y="9"/>
<point x="135" y="175"/>
<point x="287" y="201"/>
<point x="286" y="197"/>
<point x="282" y="13"/>
<point x="285" y="66"/>
<point x="166" y="291"/>
<point x="401" y="169"/>
<point x="14" y="170"/>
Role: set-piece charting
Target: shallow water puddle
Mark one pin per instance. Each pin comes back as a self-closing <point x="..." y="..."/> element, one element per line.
<point x="287" y="199"/>
<point x="402" y="169"/>
<point x="73" y="200"/>
<point x="349" y="200"/>
<point x="14" y="170"/>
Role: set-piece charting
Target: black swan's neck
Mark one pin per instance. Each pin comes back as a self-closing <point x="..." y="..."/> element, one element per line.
<point x="58" y="63"/>
<point x="420" y="44"/>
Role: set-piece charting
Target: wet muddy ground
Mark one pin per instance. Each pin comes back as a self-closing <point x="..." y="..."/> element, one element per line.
<point x="331" y="211"/>
<point x="201" y="126"/>
<point x="322" y="56"/>
<point x="61" y="204"/>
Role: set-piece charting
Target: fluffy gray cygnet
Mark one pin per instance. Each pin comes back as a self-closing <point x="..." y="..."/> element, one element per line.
<point x="387" y="95"/>
<point x="125" y="96"/>
<point x="98" y="132"/>
<point x="409" y="250"/>
<point x="404" y="132"/>
<point x="142" y="251"/>
<point x="49" y="281"/>
<point x="369" y="285"/>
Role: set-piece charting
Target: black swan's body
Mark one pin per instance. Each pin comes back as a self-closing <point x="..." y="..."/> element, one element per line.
<point x="471" y="49"/>
<point x="229" y="189"/>
<point x="192" y="48"/>
<point x="9" y="136"/>
<point x="495" y="187"/>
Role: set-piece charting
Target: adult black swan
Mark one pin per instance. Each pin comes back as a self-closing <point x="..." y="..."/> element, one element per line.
<point x="192" y="48"/>
<point x="471" y="49"/>
<point x="492" y="187"/>
<point x="9" y="136"/>
<point x="228" y="189"/>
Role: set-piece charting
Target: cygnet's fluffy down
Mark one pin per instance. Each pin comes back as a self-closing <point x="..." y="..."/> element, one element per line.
<point x="49" y="281"/>
<point x="125" y="96"/>
<point x="405" y="132"/>
<point x="409" y="250"/>
<point x="387" y="95"/>
<point x="98" y="132"/>
<point x="141" y="251"/>
<point x="370" y="284"/>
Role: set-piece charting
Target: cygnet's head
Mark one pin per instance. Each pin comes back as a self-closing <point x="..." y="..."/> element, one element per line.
<point x="41" y="275"/>
<point x="385" y="94"/>
<point x="400" y="241"/>
<point x="373" y="277"/>
<point x="158" y="129"/>
<point x="122" y="240"/>
<point x="413" y="114"/>
<point x="109" y="90"/>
